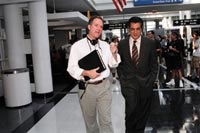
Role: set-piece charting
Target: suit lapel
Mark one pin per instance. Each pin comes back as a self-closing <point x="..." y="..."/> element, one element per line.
<point x="127" y="49"/>
<point x="141" y="55"/>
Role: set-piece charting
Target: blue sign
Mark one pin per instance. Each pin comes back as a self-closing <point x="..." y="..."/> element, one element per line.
<point x="155" y="2"/>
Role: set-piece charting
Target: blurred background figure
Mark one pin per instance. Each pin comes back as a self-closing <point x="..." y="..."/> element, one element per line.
<point x="195" y="64"/>
<point x="114" y="41"/>
<point x="151" y="35"/>
<point x="175" y="54"/>
<point x="107" y="40"/>
<point x="165" y="58"/>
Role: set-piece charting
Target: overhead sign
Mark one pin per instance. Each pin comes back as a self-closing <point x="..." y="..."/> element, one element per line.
<point x="114" y="26"/>
<point x="155" y="2"/>
<point x="186" y="22"/>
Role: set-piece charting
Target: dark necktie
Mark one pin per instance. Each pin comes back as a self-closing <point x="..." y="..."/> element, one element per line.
<point x="135" y="56"/>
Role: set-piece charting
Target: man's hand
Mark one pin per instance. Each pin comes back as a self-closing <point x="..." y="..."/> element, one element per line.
<point x="113" y="48"/>
<point x="91" y="73"/>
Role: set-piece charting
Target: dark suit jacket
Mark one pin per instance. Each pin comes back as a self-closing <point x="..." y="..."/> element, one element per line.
<point x="142" y="76"/>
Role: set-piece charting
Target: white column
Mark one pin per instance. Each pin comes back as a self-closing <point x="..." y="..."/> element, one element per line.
<point x="40" y="47"/>
<point x="170" y="21"/>
<point x="188" y="16"/>
<point x="188" y="27"/>
<point x="188" y="41"/>
<point x="181" y="16"/>
<point x="164" y="23"/>
<point x="15" y="36"/>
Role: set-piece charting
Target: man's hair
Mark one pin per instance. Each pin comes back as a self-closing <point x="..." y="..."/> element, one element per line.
<point x="152" y="32"/>
<point x="94" y="17"/>
<point x="175" y="34"/>
<point x="135" y="20"/>
<point x="196" y="33"/>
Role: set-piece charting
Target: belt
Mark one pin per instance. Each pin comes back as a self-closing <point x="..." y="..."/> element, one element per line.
<point x="96" y="82"/>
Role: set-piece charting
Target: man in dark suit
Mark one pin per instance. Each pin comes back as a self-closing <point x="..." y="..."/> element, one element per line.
<point x="137" y="76"/>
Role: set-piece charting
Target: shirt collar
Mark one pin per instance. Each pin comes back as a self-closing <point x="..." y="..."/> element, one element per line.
<point x="138" y="40"/>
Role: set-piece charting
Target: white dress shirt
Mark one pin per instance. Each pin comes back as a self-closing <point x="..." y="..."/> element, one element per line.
<point x="138" y="42"/>
<point x="83" y="47"/>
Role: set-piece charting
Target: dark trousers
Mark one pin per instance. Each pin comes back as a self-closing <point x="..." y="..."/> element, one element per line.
<point x="137" y="110"/>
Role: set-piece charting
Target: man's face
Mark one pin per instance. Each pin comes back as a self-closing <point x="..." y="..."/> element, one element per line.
<point x="95" y="28"/>
<point x="173" y="37"/>
<point x="116" y="40"/>
<point x="150" y="35"/>
<point x="194" y="36"/>
<point x="135" y="30"/>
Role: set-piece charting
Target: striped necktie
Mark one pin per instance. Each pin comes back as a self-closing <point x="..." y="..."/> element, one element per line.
<point x="135" y="56"/>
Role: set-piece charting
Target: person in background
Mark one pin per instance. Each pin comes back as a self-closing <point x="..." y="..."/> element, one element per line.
<point x="151" y="35"/>
<point x="107" y="40"/>
<point x="175" y="53"/>
<point x="66" y="48"/>
<point x="137" y="73"/>
<point x="95" y="94"/>
<point x="115" y="41"/>
<point x="196" y="56"/>
<point x="159" y="38"/>
<point x="165" y="45"/>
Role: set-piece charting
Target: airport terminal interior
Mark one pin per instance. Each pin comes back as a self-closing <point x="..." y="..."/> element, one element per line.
<point x="38" y="95"/>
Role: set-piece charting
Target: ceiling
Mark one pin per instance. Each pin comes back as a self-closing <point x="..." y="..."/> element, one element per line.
<point x="106" y="9"/>
<point x="72" y="14"/>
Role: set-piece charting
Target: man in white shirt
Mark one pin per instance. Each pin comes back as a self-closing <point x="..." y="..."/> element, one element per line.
<point x="96" y="95"/>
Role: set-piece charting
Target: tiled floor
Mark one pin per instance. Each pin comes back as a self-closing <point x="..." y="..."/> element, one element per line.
<point x="21" y="119"/>
<point x="60" y="113"/>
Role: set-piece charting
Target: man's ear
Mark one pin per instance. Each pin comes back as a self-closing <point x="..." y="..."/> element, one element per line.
<point x="88" y="27"/>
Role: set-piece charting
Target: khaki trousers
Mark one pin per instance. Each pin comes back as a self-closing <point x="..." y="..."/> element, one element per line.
<point x="96" y="107"/>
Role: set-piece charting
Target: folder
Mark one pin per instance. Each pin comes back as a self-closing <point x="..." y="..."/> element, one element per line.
<point x="91" y="61"/>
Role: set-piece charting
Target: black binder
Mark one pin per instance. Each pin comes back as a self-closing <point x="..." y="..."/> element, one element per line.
<point x="91" y="61"/>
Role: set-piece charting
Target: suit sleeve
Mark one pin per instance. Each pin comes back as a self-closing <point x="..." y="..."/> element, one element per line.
<point x="119" y="68"/>
<point x="153" y="66"/>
